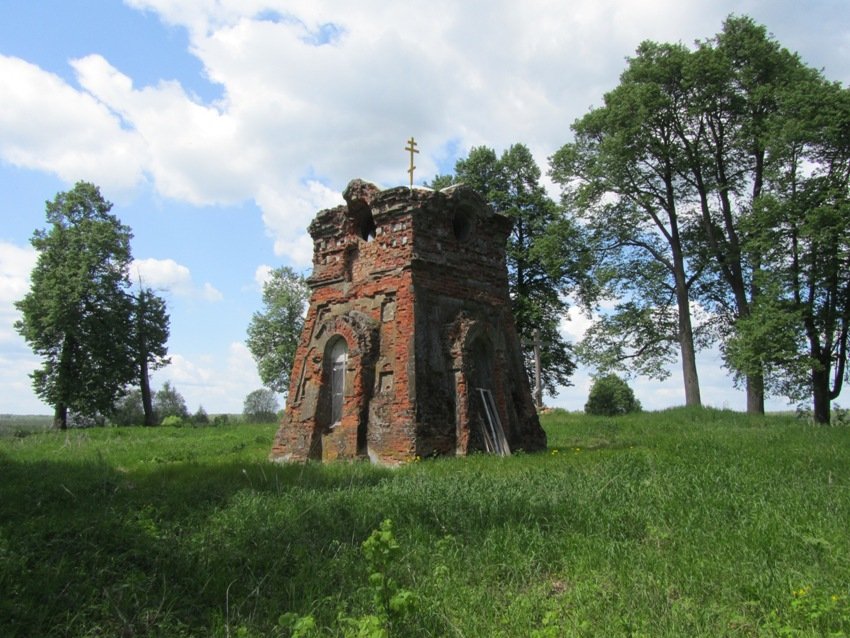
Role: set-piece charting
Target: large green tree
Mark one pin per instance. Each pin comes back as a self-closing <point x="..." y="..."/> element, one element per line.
<point x="273" y="334"/>
<point x="623" y="175"/>
<point x="734" y="94"/>
<point x="149" y="338"/>
<point x="128" y="410"/>
<point x="546" y="257"/>
<point x="797" y="331"/>
<point x="76" y="314"/>
<point x="687" y="133"/>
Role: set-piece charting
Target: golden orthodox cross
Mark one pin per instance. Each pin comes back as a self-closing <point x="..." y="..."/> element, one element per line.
<point x="411" y="146"/>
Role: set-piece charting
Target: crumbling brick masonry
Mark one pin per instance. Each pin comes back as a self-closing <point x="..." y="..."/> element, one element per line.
<point x="409" y="347"/>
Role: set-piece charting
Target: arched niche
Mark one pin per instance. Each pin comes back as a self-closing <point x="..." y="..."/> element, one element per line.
<point x="349" y="346"/>
<point x="478" y="365"/>
<point x="462" y="223"/>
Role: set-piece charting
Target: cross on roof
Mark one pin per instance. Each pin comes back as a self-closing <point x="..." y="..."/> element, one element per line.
<point x="411" y="146"/>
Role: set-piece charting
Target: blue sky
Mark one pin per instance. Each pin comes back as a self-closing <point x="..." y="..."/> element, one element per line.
<point x="219" y="127"/>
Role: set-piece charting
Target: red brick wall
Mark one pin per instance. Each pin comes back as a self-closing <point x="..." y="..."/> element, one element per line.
<point x="404" y="277"/>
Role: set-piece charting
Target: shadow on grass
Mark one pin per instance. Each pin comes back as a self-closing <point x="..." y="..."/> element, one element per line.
<point x="177" y="548"/>
<point x="86" y="548"/>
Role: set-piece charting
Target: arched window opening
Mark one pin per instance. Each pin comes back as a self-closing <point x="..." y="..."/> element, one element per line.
<point x="366" y="227"/>
<point x="337" y="360"/>
<point x="462" y="225"/>
<point x="364" y="223"/>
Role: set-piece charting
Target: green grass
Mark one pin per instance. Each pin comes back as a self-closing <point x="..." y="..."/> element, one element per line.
<point x="678" y="523"/>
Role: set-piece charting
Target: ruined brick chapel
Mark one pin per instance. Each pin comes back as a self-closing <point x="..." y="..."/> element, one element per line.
<point x="409" y="347"/>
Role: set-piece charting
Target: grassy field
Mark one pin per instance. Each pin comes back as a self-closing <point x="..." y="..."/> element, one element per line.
<point x="678" y="523"/>
<point x="18" y="425"/>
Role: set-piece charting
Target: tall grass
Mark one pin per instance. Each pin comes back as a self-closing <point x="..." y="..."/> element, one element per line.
<point x="679" y="523"/>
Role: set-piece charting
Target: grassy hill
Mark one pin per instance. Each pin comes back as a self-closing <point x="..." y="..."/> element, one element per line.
<point x="678" y="523"/>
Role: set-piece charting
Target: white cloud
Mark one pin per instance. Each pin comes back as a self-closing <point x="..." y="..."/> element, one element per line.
<point x="298" y="103"/>
<point x="47" y="125"/>
<point x="167" y="274"/>
<point x="16" y="359"/>
<point x="219" y="383"/>
<point x="575" y="324"/>
<point x="16" y="264"/>
<point x="211" y="293"/>
<point x="16" y="364"/>
<point x="287" y="213"/>
<point x="182" y="371"/>
<point x="262" y="275"/>
<point x="193" y="152"/>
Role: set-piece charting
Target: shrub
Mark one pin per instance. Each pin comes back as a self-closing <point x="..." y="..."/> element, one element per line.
<point x="610" y="396"/>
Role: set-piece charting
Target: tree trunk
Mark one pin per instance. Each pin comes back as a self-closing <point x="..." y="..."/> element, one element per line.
<point x="145" y="385"/>
<point x="144" y="378"/>
<point x="689" y="362"/>
<point x="820" y="396"/>
<point x="60" y="417"/>
<point x="686" y="335"/>
<point x="683" y="305"/>
<point x="755" y="394"/>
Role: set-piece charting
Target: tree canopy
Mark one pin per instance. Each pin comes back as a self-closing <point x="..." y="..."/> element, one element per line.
<point x="149" y="338"/>
<point x="611" y="396"/>
<point x="623" y="176"/>
<point x="273" y="334"/>
<point x="76" y="316"/>
<point x="168" y="402"/>
<point x="546" y="258"/>
<point x="690" y="177"/>
<point x="260" y="407"/>
<point x="797" y="330"/>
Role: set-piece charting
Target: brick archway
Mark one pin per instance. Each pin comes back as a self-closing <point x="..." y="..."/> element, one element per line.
<point x="346" y="437"/>
<point x="473" y="346"/>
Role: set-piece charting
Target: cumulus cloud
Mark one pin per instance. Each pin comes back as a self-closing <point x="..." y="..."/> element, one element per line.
<point x="287" y="213"/>
<point x="168" y="275"/>
<point x="47" y="125"/>
<point x="316" y="93"/>
<point x="16" y="364"/>
<point x="16" y="264"/>
<point x="220" y="383"/>
<point x="16" y="359"/>
<point x="192" y="152"/>
<point x="262" y="275"/>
